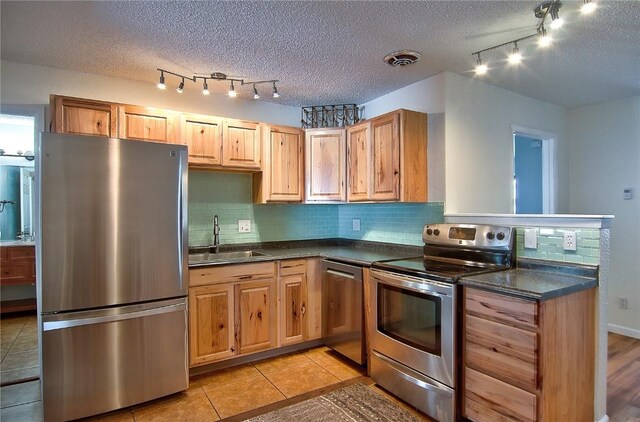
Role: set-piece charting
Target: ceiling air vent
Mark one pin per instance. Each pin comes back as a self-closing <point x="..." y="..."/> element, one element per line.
<point x="402" y="58"/>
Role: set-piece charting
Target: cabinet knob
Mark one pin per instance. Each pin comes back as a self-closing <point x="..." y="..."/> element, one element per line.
<point x="233" y="349"/>
<point x="303" y="310"/>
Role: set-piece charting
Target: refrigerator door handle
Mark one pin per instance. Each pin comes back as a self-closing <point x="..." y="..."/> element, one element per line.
<point x="59" y="325"/>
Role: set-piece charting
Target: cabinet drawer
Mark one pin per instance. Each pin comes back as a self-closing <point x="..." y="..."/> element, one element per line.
<point x="489" y="399"/>
<point x="501" y="308"/>
<point x="231" y="273"/>
<point x="17" y="273"/>
<point x="18" y="253"/>
<point x="293" y="266"/>
<point x="504" y="352"/>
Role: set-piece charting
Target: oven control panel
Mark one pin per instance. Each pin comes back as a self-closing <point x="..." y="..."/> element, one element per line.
<point x="472" y="235"/>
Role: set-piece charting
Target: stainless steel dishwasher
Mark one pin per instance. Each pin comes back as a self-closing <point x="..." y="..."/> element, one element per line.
<point x="342" y="309"/>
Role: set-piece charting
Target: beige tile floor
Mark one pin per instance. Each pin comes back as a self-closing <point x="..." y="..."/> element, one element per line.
<point x="18" y="349"/>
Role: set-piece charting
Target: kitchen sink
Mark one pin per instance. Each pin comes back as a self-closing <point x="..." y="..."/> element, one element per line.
<point x="208" y="257"/>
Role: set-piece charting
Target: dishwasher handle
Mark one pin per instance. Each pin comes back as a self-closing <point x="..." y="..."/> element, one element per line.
<point x="342" y="270"/>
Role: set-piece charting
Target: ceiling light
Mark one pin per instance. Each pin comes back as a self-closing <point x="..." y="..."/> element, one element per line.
<point x="275" y="91"/>
<point x="161" y="84"/>
<point x="180" y="87"/>
<point x="556" y="23"/>
<point x="515" y="57"/>
<point x="556" y="20"/>
<point x="544" y="40"/>
<point x="481" y="68"/>
<point x="232" y="91"/>
<point x="588" y="7"/>
<point x="255" y="93"/>
<point x="205" y="88"/>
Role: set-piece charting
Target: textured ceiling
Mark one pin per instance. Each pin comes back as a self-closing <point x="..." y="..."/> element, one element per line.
<point x="331" y="52"/>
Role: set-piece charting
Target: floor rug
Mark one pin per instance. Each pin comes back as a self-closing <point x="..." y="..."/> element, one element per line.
<point x="356" y="402"/>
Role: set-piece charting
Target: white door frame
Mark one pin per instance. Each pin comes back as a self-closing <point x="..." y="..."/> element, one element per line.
<point x="549" y="166"/>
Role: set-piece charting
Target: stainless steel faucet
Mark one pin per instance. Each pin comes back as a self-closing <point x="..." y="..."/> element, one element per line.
<point x="216" y="234"/>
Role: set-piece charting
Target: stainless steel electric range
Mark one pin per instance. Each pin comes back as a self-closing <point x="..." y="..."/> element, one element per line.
<point x="413" y="302"/>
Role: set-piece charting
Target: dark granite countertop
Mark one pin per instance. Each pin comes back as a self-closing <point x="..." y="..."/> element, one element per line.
<point x="345" y="250"/>
<point x="13" y="243"/>
<point x="537" y="280"/>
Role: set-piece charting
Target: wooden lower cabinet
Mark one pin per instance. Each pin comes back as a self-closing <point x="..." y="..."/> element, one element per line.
<point x="528" y="360"/>
<point x="211" y="323"/>
<point x="256" y="315"/>
<point x="293" y="302"/>
<point x="17" y="268"/>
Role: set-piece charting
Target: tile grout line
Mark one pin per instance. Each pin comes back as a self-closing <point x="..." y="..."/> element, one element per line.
<point x="209" y="400"/>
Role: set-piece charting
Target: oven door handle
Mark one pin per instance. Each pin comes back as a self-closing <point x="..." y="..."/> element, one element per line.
<point x="385" y="279"/>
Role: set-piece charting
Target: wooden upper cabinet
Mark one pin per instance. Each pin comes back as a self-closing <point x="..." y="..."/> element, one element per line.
<point x="241" y="144"/>
<point x="413" y="155"/>
<point x="148" y="124"/>
<point x="325" y="164"/>
<point x="359" y="162"/>
<point x="203" y="136"/>
<point x="385" y="158"/>
<point x="83" y="117"/>
<point x="282" y="179"/>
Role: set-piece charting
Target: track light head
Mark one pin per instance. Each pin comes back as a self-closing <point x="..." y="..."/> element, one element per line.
<point x="588" y="7"/>
<point x="232" y="91"/>
<point x="180" y="88"/>
<point x="275" y="91"/>
<point x="161" y="84"/>
<point x="255" y="93"/>
<point x="515" y="57"/>
<point x="205" y="88"/>
<point x="481" y="68"/>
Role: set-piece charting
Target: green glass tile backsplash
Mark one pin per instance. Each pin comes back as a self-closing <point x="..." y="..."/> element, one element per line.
<point x="550" y="242"/>
<point x="228" y="195"/>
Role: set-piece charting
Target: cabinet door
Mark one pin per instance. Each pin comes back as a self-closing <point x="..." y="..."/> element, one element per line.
<point x="284" y="164"/>
<point x="325" y="164"/>
<point x="83" y="117"/>
<point x="293" y="309"/>
<point x="359" y="162"/>
<point x="211" y="323"/>
<point x="241" y="144"/>
<point x="148" y="124"/>
<point x="203" y="137"/>
<point x="386" y="158"/>
<point x="256" y="315"/>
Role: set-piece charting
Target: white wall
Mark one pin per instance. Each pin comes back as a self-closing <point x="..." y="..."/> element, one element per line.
<point x="604" y="155"/>
<point x="479" y="147"/>
<point x="28" y="84"/>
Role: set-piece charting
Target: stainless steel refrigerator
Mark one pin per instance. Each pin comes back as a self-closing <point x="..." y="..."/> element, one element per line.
<point x="112" y="272"/>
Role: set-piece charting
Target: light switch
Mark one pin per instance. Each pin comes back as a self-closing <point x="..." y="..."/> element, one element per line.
<point x="356" y="224"/>
<point x="244" y="226"/>
<point x="626" y="193"/>
<point x="531" y="238"/>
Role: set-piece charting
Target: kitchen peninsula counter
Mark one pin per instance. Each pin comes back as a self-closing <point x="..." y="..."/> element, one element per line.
<point x="536" y="279"/>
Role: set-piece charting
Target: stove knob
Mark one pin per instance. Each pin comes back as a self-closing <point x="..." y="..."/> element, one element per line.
<point x="429" y="232"/>
<point x="500" y="236"/>
<point x="490" y="235"/>
<point x="436" y="232"/>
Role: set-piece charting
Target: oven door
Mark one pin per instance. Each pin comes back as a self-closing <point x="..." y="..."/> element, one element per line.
<point x="412" y="322"/>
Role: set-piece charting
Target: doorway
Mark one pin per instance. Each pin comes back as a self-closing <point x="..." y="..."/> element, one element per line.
<point x="534" y="172"/>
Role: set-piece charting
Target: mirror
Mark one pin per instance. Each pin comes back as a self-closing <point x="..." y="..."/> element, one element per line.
<point x="17" y="170"/>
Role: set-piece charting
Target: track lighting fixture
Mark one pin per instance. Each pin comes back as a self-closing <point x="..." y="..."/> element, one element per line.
<point x="232" y="91"/>
<point x="216" y="76"/>
<point x="588" y="7"/>
<point x="161" y="84"/>
<point x="548" y="8"/>
<point x="481" y="68"/>
<point x="515" y="57"/>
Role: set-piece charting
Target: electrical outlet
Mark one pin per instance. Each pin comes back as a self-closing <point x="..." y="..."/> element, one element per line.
<point x="244" y="226"/>
<point x="531" y="238"/>
<point x="569" y="243"/>
<point x="623" y="303"/>
<point x="356" y="224"/>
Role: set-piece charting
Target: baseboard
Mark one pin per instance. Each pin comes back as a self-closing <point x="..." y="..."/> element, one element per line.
<point x="605" y="418"/>
<point x="625" y="331"/>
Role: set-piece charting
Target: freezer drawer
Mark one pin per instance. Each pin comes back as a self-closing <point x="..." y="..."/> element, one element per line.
<point x="98" y="361"/>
